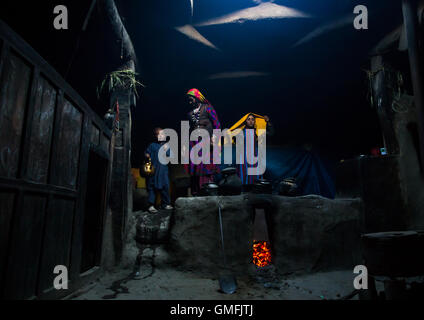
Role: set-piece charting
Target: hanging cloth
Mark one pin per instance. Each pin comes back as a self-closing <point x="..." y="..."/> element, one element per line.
<point x="241" y="124"/>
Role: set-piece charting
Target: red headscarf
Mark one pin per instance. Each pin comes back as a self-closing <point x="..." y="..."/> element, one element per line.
<point x="198" y="95"/>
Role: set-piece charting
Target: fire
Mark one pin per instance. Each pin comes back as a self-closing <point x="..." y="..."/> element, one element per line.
<point x="261" y="254"/>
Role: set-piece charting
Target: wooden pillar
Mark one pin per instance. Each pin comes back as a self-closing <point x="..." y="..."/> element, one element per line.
<point x="121" y="189"/>
<point x="128" y="56"/>
<point x="383" y="104"/>
<point x="411" y="25"/>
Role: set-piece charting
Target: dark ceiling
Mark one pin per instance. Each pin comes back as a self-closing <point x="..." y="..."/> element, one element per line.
<point x="315" y="92"/>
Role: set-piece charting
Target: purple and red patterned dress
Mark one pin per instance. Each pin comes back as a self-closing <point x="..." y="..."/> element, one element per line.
<point x="204" y="117"/>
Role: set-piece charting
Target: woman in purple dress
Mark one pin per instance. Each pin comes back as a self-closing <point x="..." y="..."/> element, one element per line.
<point x="202" y="116"/>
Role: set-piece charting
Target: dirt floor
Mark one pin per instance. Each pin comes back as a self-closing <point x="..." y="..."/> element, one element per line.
<point x="161" y="280"/>
<point x="170" y="284"/>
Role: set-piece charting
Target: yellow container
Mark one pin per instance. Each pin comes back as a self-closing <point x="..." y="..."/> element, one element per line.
<point x="141" y="182"/>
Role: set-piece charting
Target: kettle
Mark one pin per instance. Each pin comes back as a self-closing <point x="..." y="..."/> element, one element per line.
<point x="231" y="184"/>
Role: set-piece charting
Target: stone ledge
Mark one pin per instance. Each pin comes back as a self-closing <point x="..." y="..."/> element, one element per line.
<point x="307" y="234"/>
<point x="312" y="233"/>
<point x="195" y="236"/>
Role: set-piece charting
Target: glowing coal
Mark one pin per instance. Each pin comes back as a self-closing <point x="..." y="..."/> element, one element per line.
<point x="262" y="254"/>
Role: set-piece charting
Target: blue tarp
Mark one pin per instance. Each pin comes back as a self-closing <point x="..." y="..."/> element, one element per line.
<point x="313" y="172"/>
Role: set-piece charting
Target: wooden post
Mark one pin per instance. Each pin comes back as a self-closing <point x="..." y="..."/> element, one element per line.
<point x="121" y="189"/>
<point x="411" y="22"/>
<point x="128" y="55"/>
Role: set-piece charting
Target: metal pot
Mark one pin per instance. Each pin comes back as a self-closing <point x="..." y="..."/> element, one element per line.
<point x="229" y="171"/>
<point x="288" y="187"/>
<point x="230" y="184"/>
<point x="262" y="186"/>
<point x="209" y="189"/>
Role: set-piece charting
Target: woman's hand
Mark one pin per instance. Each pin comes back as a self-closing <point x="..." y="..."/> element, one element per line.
<point x="183" y="151"/>
<point x="214" y="140"/>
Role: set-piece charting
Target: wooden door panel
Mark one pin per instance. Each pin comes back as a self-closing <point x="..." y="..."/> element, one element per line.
<point x="57" y="240"/>
<point x="7" y="204"/>
<point x="14" y="90"/>
<point x="22" y="272"/>
<point x="41" y="132"/>
<point x="67" y="160"/>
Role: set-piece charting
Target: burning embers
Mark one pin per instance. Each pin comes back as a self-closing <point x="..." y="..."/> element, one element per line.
<point x="261" y="244"/>
<point x="261" y="253"/>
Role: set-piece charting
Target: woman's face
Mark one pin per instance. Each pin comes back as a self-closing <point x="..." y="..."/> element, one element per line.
<point x="250" y="122"/>
<point x="192" y="101"/>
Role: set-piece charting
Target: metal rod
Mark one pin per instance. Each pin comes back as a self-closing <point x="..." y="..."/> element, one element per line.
<point x="222" y="235"/>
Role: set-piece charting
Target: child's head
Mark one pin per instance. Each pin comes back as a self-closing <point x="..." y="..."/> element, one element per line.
<point x="159" y="134"/>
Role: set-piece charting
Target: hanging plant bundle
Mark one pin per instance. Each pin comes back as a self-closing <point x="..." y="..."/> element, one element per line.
<point x="121" y="79"/>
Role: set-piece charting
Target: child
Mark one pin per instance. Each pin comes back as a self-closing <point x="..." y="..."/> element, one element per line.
<point x="160" y="180"/>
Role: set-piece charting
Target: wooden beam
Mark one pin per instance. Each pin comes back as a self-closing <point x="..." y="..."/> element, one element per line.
<point x="411" y="24"/>
<point x="120" y="190"/>
<point x="87" y="18"/>
<point x="120" y="32"/>
<point x="382" y="104"/>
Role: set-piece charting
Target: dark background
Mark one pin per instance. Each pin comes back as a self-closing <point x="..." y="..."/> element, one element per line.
<point x="316" y="93"/>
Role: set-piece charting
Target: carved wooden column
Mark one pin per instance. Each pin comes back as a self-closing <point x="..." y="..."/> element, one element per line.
<point x="411" y="25"/>
<point x="121" y="189"/>
<point x="382" y="103"/>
